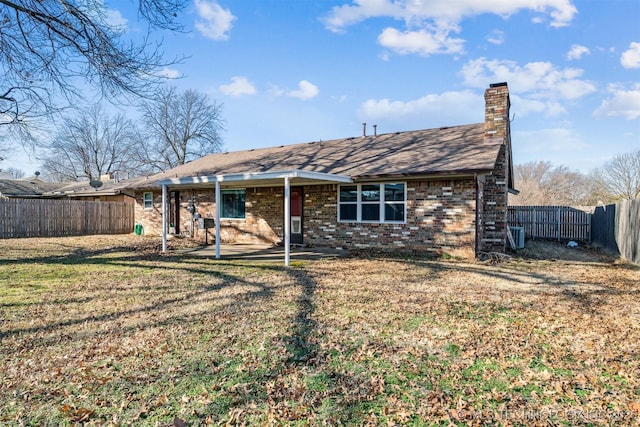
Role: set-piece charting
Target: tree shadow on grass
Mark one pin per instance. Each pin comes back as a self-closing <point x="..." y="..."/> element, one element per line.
<point x="323" y="393"/>
<point x="589" y="296"/>
<point x="299" y="344"/>
<point x="330" y="392"/>
<point x="174" y="264"/>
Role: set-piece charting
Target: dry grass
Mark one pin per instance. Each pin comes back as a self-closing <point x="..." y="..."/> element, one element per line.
<point x="106" y="331"/>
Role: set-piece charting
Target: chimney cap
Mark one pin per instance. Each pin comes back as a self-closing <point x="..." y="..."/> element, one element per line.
<point x="498" y="84"/>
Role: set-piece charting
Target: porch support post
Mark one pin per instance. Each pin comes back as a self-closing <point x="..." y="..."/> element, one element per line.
<point x="287" y="222"/>
<point x="164" y="218"/>
<point x="218" y="208"/>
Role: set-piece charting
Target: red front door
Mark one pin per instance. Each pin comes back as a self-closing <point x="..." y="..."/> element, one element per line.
<point x="296" y="199"/>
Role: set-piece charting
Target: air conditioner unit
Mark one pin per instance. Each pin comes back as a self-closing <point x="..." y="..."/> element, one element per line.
<point x="518" y="236"/>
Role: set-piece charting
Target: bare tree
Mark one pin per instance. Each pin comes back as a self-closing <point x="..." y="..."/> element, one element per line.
<point x="620" y="177"/>
<point x="47" y="47"/>
<point x="183" y="126"/>
<point x="15" y="173"/>
<point x="542" y="183"/>
<point x="6" y="148"/>
<point x="92" y="145"/>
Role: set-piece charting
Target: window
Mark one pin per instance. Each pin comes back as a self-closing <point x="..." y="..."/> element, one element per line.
<point x="348" y="203"/>
<point x="383" y="202"/>
<point x="233" y="203"/>
<point x="370" y="200"/>
<point x="147" y="200"/>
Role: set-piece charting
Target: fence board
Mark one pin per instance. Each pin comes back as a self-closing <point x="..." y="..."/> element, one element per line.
<point x="53" y="218"/>
<point x="617" y="228"/>
<point x="551" y="222"/>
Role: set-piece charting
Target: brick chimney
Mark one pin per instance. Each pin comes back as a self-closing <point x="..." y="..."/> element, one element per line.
<point x="496" y="111"/>
<point x="493" y="190"/>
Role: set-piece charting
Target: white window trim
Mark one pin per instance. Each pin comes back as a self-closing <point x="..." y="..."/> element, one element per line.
<point x="382" y="203"/>
<point x="144" y="200"/>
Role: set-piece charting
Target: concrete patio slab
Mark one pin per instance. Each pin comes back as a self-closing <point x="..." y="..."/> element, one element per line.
<point x="265" y="252"/>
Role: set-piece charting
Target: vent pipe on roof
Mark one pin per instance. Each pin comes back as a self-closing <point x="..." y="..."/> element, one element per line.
<point x="364" y="129"/>
<point x="375" y="130"/>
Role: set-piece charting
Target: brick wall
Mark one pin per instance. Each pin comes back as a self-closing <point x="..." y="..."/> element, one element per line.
<point x="151" y="219"/>
<point x="494" y="208"/>
<point x="493" y="221"/>
<point x="263" y="215"/>
<point x="440" y="219"/>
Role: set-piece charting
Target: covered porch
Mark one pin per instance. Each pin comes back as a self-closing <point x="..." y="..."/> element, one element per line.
<point x="284" y="179"/>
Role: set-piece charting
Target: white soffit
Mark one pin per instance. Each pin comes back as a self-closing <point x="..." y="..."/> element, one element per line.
<point x="254" y="176"/>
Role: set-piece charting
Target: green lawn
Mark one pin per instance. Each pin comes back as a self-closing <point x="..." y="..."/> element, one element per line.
<point x="107" y="331"/>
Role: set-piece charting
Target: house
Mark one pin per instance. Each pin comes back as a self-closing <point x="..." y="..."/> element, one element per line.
<point x="435" y="190"/>
<point x="110" y="190"/>
<point x="25" y="188"/>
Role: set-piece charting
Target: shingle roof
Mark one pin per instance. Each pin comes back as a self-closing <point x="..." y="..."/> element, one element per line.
<point x="83" y="188"/>
<point x="25" y="187"/>
<point x="452" y="151"/>
<point x="35" y="187"/>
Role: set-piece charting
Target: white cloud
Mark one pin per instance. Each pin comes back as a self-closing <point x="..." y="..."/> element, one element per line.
<point x="431" y="110"/>
<point x="384" y="56"/>
<point x="544" y="141"/>
<point x="215" y="22"/>
<point x="451" y="12"/>
<point x="115" y="19"/>
<point x="622" y="103"/>
<point x="275" y="90"/>
<point x="170" y="73"/>
<point x="525" y="106"/>
<point x="631" y="58"/>
<point x="419" y="42"/>
<point x="577" y="51"/>
<point x="339" y="99"/>
<point x="345" y="15"/>
<point x="428" y="25"/>
<point x="536" y="79"/>
<point x="239" y="86"/>
<point x="496" y="37"/>
<point x="306" y="90"/>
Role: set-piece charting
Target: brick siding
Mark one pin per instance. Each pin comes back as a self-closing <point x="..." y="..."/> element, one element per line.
<point x="492" y="229"/>
<point x="440" y="219"/>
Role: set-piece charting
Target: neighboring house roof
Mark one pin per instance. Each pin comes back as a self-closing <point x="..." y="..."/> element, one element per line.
<point x="25" y="188"/>
<point x="457" y="150"/>
<point x="84" y="189"/>
<point x="37" y="188"/>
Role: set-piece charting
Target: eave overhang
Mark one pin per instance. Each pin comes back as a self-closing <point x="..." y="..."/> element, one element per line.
<point x="254" y="179"/>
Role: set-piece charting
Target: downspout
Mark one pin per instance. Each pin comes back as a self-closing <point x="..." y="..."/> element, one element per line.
<point x="164" y="218"/>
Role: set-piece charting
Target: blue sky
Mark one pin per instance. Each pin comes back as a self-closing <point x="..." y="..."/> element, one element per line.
<point x="306" y="70"/>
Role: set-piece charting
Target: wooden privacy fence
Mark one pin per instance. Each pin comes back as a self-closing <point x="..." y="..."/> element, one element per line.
<point x="551" y="222"/>
<point x="54" y="218"/>
<point x="617" y="227"/>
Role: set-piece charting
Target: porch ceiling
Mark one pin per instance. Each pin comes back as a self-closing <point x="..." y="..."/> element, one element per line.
<point x="255" y="179"/>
